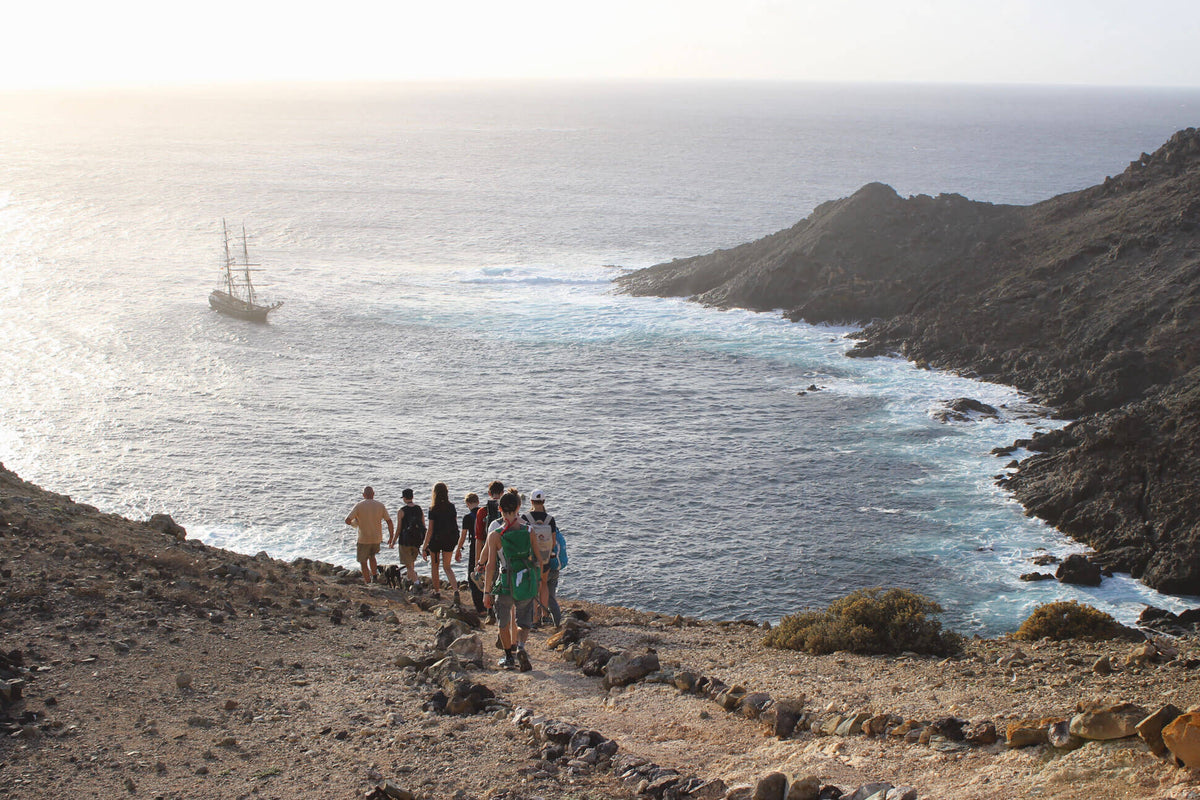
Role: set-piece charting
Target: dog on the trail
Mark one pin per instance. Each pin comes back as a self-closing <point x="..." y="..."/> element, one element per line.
<point x="391" y="576"/>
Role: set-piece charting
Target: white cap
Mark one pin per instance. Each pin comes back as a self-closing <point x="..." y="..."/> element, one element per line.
<point x="538" y="496"/>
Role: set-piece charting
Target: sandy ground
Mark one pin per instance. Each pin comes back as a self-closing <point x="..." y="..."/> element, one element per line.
<point x="149" y="673"/>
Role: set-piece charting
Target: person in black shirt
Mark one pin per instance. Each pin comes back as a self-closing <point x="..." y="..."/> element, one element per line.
<point x="440" y="537"/>
<point x="410" y="530"/>
<point x="468" y="537"/>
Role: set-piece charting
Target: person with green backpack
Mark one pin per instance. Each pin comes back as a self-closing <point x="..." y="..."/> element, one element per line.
<point x="514" y="567"/>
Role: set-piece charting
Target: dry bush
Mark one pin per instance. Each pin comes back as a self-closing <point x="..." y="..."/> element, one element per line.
<point x="1067" y="619"/>
<point x="870" y="622"/>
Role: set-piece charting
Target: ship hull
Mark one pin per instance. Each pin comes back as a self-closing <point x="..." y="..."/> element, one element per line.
<point x="235" y="307"/>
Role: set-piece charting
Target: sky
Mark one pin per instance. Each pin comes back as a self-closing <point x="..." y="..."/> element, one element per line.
<point x="85" y="43"/>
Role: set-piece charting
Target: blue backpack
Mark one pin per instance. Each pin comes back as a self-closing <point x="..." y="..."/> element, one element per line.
<point x="559" y="559"/>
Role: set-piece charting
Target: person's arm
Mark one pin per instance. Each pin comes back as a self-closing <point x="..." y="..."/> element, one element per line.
<point x="392" y="532"/>
<point x="489" y="572"/>
<point x="462" y="540"/>
<point x="350" y="518"/>
<point x="428" y="534"/>
<point x="391" y="528"/>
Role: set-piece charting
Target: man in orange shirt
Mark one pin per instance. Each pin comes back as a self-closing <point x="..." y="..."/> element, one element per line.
<point x="369" y="516"/>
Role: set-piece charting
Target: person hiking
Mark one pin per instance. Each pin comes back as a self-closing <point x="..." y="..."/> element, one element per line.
<point x="410" y="532"/>
<point x="440" y="538"/>
<point x="368" y="516"/>
<point x="473" y="550"/>
<point x="483" y="521"/>
<point x="511" y="575"/>
<point x="545" y="532"/>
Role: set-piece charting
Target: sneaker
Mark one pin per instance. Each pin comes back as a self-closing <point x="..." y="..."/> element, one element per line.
<point x="508" y="662"/>
<point x="523" y="660"/>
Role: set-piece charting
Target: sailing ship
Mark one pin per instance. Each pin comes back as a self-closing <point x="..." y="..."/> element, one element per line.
<point x="235" y="297"/>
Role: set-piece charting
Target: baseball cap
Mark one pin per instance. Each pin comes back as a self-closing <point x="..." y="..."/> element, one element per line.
<point x="538" y="496"/>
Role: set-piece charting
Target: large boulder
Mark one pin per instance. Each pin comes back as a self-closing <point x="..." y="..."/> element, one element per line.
<point x="1150" y="729"/>
<point x="1102" y="721"/>
<point x="1182" y="738"/>
<point x="468" y="648"/>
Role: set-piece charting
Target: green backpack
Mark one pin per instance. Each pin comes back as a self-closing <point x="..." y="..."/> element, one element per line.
<point x="519" y="574"/>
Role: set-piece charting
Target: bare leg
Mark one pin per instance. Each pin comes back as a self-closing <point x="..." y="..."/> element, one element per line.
<point x="450" y="576"/>
<point x="366" y="571"/>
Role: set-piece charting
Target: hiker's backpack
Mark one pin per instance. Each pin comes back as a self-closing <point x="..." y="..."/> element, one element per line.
<point x="559" y="559"/>
<point x="412" y="526"/>
<point x="485" y="517"/>
<point x="519" y="574"/>
<point x="543" y="531"/>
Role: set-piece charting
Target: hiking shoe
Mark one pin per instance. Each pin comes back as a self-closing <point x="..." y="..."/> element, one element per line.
<point x="508" y="662"/>
<point x="523" y="660"/>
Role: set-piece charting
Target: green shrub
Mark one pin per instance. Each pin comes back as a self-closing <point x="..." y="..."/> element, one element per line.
<point x="1067" y="619"/>
<point x="869" y="621"/>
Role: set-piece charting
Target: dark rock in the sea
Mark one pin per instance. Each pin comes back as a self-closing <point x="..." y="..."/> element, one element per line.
<point x="1045" y="560"/>
<point x="1079" y="570"/>
<point x="960" y="410"/>
<point x="1037" y="576"/>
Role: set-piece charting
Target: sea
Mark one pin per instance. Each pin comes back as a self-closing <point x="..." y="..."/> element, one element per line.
<point x="445" y="254"/>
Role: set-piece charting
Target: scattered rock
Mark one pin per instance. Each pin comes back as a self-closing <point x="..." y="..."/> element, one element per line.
<point x="1182" y="738"/>
<point x="1059" y="735"/>
<point x="808" y="788"/>
<point x="164" y="524"/>
<point x="1102" y="721"/>
<point x="624" y="669"/>
<point x="1150" y="728"/>
<point x="770" y="787"/>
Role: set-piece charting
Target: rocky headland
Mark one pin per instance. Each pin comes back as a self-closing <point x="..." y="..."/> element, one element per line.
<point x="1088" y="301"/>
<point x="136" y="662"/>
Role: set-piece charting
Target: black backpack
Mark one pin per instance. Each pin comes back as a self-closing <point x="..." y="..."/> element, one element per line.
<point x="412" y="526"/>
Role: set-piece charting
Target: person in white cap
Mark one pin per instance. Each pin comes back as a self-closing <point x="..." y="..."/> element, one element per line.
<point x="545" y="530"/>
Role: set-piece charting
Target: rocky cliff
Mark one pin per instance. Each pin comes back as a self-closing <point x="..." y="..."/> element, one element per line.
<point x="1090" y="301"/>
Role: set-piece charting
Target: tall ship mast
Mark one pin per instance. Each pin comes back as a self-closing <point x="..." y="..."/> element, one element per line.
<point x="235" y="296"/>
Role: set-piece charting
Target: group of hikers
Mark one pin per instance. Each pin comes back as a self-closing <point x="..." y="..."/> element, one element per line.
<point x="513" y="558"/>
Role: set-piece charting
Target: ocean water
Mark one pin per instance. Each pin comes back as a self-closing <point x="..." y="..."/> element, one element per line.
<point x="445" y="254"/>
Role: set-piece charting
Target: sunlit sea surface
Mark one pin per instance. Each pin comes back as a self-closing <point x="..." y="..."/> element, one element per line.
<point x="445" y="256"/>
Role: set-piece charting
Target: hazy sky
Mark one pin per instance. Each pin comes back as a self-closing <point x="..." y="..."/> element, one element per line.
<point x="1104" y="42"/>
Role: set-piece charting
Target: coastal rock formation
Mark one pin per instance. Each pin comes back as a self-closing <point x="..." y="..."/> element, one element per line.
<point x="1089" y="301"/>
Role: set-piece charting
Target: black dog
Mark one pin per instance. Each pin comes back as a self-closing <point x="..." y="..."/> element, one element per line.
<point x="391" y="576"/>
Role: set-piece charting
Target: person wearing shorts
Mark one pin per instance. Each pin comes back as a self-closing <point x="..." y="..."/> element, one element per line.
<point x="512" y="556"/>
<point x="441" y="535"/>
<point x="410" y="531"/>
<point x="368" y="516"/>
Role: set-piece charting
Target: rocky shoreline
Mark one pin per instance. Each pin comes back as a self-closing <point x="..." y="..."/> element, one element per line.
<point x="137" y="662"/>
<point x="1089" y="301"/>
